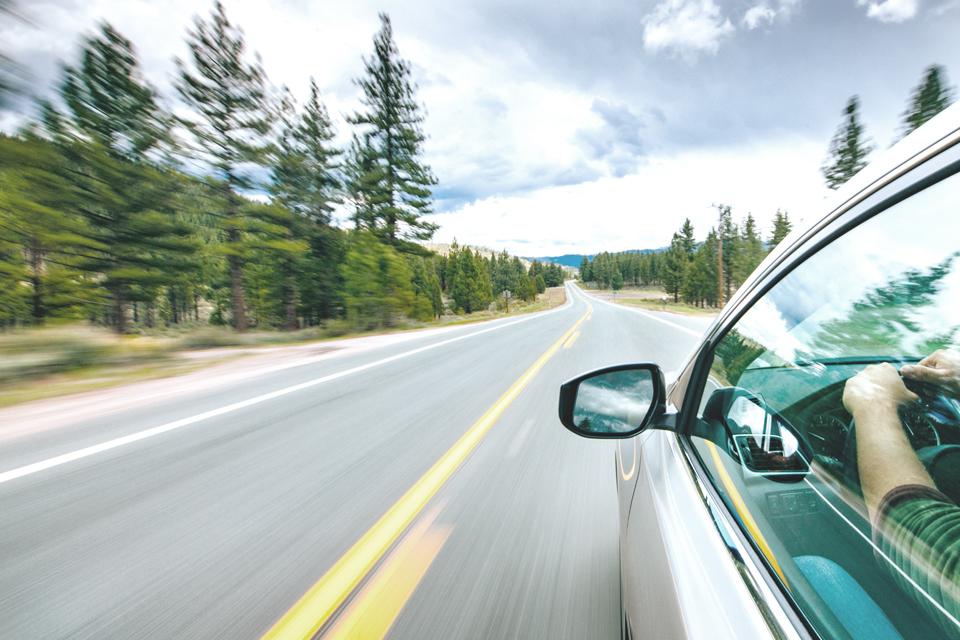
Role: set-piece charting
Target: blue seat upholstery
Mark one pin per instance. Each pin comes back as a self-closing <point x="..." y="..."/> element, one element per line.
<point x="862" y="618"/>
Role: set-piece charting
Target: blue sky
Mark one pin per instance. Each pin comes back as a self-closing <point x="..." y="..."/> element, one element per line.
<point x="560" y="126"/>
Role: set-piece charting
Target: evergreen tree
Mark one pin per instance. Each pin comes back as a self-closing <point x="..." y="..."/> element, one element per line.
<point x="43" y="239"/>
<point x="731" y="249"/>
<point x="750" y="252"/>
<point x="700" y="285"/>
<point x="929" y="98"/>
<point x="616" y="282"/>
<point x="111" y="134"/>
<point x="674" y="267"/>
<point x="395" y="184"/>
<point x="541" y="283"/>
<point x="781" y="228"/>
<point x="848" y="149"/>
<point x="304" y="181"/>
<point x="687" y="242"/>
<point x="585" y="274"/>
<point x="227" y="93"/>
<point x="428" y="302"/>
<point x="377" y="282"/>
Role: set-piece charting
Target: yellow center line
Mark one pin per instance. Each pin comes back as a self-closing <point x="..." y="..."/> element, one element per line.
<point x="745" y="516"/>
<point x="379" y="603"/>
<point x="320" y="602"/>
<point x="573" y="338"/>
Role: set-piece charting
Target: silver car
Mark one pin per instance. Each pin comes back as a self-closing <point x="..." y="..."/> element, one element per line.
<point x="799" y="477"/>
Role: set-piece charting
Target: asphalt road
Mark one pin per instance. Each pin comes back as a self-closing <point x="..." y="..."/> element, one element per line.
<point x="209" y="514"/>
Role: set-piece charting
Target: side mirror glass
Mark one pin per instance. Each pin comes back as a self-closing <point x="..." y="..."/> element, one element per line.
<point x="615" y="402"/>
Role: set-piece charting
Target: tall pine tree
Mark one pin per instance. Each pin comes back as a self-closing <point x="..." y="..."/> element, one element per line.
<point x="848" y="149"/>
<point x="394" y="185"/>
<point x="781" y="228"/>
<point x="929" y="98"/>
<point x="305" y="182"/>
<point x="227" y="95"/>
<point x="113" y="133"/>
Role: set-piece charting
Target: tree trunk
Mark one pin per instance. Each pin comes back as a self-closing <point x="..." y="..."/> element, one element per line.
<point x="36" y="265"/>
<point x="236" y="293"/>
<point x="237" y="297"/>
<point x="119" y="310"/>
<point x="289" y="297"/>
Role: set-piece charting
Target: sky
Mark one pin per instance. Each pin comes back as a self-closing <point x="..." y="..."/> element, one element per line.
<point x="571" y="127"/>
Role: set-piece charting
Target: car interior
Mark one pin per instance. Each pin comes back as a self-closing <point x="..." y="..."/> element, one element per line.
<point x="793" y="460"/>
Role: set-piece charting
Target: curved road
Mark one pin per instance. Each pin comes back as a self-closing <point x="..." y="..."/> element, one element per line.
<point x="418" y="487"/>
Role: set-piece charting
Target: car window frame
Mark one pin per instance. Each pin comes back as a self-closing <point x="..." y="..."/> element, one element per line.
<point x="940" y="164"/>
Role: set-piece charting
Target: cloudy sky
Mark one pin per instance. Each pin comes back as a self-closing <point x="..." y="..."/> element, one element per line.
<point x="559" y="126"/>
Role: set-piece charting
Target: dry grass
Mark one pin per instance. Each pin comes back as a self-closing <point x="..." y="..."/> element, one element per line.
<point x="44" y="363"/>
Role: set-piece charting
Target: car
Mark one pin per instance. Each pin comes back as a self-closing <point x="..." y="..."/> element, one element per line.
<point x="747" y="508"/>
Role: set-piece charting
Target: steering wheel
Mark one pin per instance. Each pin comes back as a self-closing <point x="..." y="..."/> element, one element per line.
<point x="942" y="461"/>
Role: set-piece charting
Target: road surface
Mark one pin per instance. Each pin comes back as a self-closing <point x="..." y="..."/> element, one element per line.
<point x="421" y="487"/>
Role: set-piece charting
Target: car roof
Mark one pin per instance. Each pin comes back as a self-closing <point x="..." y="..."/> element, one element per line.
<point x="940" y="132"/>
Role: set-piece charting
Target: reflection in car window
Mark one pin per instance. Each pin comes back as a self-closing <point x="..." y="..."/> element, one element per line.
<point x="830" y="424"/>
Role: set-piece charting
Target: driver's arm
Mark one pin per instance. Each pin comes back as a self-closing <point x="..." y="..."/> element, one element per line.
<point x="885" y="457"/>
<point x="915" y="525"/>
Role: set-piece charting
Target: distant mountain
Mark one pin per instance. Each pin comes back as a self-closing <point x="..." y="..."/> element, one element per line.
<point x="574" y="259"/>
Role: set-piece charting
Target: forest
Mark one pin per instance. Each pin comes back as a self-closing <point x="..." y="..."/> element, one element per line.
<point x="706" y="273"/>
<point x="118" y="211"/>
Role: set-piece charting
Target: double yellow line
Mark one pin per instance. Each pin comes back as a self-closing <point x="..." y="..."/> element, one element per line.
<point x="326" y="596"/>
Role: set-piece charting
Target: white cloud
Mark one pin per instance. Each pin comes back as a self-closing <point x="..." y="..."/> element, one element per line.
<point x="890" y="10"/>
<point x="686" y="27"/>
<point x="765" y="13"/>
<point x="758" y="15"/>
<point x="643" y="209"/>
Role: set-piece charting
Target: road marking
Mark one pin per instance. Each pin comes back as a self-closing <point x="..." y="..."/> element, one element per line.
<point x="518" y="440"/>
<point x="745" y="516"/>
<point x="319" y="603"/>
<point x="571" y="340"/>
<point x="378" y="604"/>
<point x="648" y="315"/>
<point x="122" y="441"/>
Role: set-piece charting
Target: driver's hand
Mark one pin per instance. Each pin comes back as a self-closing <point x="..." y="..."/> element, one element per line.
<point x="941" y="368"/>
<point x="876" y="387"/>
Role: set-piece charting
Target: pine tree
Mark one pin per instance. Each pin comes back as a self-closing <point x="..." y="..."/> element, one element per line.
<point x="731" y="249"/>
<point x="848" y="149"/>
<point x="227" y="93"/>
<point x="112" y="134"/>
<point x="394" y="184"/>
<point x="585" y="274"/>
<point x="687" y="241"/>
<point x="377" y="282"/>
<point x="781" y="228"/>
<point x="616" y="282"/>
<point x="750" y="252"/>
<point x="304" y="181"/>
<point x="43" y="239"/>
<point x="929" y="98"/>
<point x="674" y="267"/>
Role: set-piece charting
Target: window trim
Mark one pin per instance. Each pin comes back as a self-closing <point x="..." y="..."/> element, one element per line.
<point x="936" y="164"/>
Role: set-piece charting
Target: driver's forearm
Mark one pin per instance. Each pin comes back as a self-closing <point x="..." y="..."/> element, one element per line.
<point x="885" y="458"/>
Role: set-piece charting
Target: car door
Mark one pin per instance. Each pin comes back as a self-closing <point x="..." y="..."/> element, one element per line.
<point x="774" y="448"/>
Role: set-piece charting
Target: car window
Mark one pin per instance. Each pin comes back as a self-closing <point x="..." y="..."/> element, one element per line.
<point x="776" y="432"/>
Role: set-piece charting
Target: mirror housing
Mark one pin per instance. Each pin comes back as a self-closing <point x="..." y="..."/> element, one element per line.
<point x="614" y="402"/>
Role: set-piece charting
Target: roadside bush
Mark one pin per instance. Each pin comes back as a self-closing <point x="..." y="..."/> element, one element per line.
<point x="40" y="352"/>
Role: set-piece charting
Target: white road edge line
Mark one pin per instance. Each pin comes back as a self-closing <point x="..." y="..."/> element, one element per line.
<point x="644" y="313"/>
<point x="115" y="443"/>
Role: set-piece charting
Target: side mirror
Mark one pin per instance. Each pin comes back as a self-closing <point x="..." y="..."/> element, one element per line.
<point x="759" y="438"/>
<point x="614" y="402"/>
